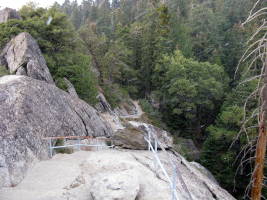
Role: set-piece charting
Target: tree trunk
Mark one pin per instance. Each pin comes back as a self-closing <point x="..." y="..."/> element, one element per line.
<point x="257" y="177"/>
<point x="259" y="163"/>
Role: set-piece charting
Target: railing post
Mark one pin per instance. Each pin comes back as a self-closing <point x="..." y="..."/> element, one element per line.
<point x="50" y="148"/>
<point x="156" y="145"/>
<point x="149" y="140"/>
<point x="79" y="144"/>
<point x="156" y="151"/>
<point x="174" y="184"/>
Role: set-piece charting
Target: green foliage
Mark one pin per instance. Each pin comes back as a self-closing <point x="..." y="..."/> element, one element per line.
<point x="217" y="35"/>
<point x="153" y="114"/>
<point x="60" y="142"/>
<point x="115" y="94"/>
<point x="187" y="97"/>
<point x="79" y="74"/>
<point x="217" y="155"/>
<point x="3" y="71"/>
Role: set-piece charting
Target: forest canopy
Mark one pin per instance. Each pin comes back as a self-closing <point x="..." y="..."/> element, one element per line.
<point x="178" y="57"/>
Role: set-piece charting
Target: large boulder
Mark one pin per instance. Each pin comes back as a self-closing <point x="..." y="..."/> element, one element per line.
<point x="134" y="134"/>
<point x="22" y="56"/>
<point x="130" y="138"/>
<point x="32" y="109"/>
<point x="7" y="14"/>
<point x="111" y="175"/>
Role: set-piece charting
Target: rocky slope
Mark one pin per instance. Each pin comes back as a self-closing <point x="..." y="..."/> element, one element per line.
<point x="112" y="175"/>
<point x="32" y="109"/>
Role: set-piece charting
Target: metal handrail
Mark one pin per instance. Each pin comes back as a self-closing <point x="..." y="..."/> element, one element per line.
<point x="67" y="137"/>
<point x="79" y="144"/>
<point x="171" y="181"/>
<point x="176" y="170"/>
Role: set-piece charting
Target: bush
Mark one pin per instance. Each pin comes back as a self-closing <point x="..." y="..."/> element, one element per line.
<point x="3" y="71"/>
<point x="115" y="94"/>
<point x="79" y="74"/>
<point x="60" y="142"/>
<point x="153" y="114"/>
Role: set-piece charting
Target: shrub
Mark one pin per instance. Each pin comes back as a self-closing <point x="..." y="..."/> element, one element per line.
<point x="3" y="71"/>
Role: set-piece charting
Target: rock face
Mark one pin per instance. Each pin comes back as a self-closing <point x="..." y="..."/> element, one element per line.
<point x="71" y="88"/>
<point x="111" y="175"/>
<point x="162" y="136"/>
<point x="32" y="109"/>
<point x="7" y="14"/>
<point x="103" y="105"/>
<point x="107" y="113"/>
<point x="132" y="137"/>
<point x="22" y="56"/>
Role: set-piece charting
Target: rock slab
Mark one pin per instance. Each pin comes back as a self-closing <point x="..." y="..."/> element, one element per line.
<point x="112" y="175"/>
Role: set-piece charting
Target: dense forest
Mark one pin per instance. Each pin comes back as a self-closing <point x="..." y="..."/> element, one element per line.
<point x="178" y="57"/>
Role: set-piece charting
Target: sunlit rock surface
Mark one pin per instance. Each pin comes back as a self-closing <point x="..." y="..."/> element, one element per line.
<point x="110" y="175"/>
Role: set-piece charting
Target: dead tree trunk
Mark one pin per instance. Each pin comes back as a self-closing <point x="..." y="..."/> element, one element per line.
<point x="258" y="174"/>
<point x="259" y="163"/>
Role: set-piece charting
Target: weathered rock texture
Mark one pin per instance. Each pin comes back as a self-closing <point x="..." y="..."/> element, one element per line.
<point x="103" y="105"/>
<point x="110" y="175"/>
<point x="7" y="14"/>
<point x="162" y="136"/>
<point x="130" y="138"/>
<point x="107" y="113"/>
<point x="32" y="109"/>
<point x="22" y="56"/>
<point x="133" y="136"/>
<point x="71" y="89"/>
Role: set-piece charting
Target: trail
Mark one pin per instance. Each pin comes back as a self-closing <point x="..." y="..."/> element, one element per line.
<point x="139" y="111"/>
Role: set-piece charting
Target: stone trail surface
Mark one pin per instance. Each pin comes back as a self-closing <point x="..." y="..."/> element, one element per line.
<point x="110" y="175"/>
